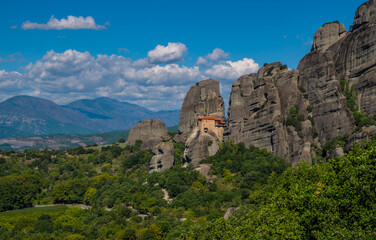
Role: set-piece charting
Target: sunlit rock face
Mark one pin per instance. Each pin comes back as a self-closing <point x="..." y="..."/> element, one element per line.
<point x="150" y="132"/>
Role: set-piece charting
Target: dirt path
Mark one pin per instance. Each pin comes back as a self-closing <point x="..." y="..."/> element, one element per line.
<point x="166" y="196"/>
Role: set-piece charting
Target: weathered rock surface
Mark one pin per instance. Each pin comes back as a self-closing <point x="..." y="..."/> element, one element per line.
<point x="363" y="135"/>
<point x="260" y="103"/>
<point x="163" y="158"/>
<point x="199" y="146"/>
<point x="327" y="35"/>
<point x="203" y="99"/>
<point x="366" y="13"/>
<point x="150" y="132"/>
<point x="338" y="152"/>
<point x="230" y="211"/>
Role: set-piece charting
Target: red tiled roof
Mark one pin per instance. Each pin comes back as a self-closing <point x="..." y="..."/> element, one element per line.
<point x="212" y="118"/>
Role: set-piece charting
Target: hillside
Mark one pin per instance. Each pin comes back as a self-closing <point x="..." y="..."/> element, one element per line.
<point x="64" y="141"/>
<point x="28" y="116"/>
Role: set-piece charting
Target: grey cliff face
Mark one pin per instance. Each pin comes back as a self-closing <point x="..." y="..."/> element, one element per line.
<point x="199" y="146"/>
<point x="260" y="103"/>
<point x="150" y="132"/>
<point x="163" y="158"/>
<point x="203" y="99"/>
<point x="327" y="35"/>
<point x="364" y="14"/>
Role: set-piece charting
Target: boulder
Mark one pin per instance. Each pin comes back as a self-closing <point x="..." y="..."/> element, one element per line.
<point x="338" y="152"/>
<point x="163" y="158"/>
<point x="150" y="132"/>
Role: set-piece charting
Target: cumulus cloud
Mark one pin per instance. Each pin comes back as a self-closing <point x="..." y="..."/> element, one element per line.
<point x="217" y="54"/>
<point x="71" y="22"/>
<point x="72" y="75"/>
<point x="232" y="70"/>
<point x="173" y="52"/>
<point x="202" y="62"/>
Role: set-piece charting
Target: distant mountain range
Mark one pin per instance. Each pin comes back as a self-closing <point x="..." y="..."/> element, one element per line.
<point x="29" y="116"/>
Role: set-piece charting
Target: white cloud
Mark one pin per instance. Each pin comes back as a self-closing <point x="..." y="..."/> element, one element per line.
<point x="72" y="75"/>
<point x="232" y="70"/>
<point x="217" y="54"/>
<point x="202" y="62"/>
<point x="71" y="22"/>
<point x="173" y="52"/>
<point x="9" y="81"/>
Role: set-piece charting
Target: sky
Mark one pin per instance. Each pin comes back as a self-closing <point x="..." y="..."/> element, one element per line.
<point x="150" y="52"/>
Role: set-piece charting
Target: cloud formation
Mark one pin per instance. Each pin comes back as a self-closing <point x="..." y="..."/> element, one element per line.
<point x="232" y="70"/>
<point x="71" y="22"/>
<point x="72" y="75"/>
<point x="202" y="62"/>
<point x="217" y="54"/>
<point x="173" y="52"/>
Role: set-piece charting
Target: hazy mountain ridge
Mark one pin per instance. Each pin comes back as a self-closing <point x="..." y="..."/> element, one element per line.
<point x="26" y="116"/>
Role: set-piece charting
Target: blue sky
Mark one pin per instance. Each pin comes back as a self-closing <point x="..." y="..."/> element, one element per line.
<point x="119" y="58"/>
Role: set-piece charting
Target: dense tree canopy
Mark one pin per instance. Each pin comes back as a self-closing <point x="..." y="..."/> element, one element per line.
<point x="332" y="200"/>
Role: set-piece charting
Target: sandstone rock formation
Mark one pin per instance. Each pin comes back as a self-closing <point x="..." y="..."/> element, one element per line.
<point x="199" y="146"/>
<point x="363" y="135"/>
<point x="150" y="132"/>
<point x="163" y="158"/>
<point x="203" y="99"/>
<point x="327" y="35"/>
<point x="260" y="104"/>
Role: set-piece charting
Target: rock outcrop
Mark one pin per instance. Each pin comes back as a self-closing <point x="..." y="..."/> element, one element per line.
<point x="271" y="109"/>
<point x="150" y="132"/>
<point x="327" y="35"/>
<point x="163" y="158"/>
<point x="203" y="99"/>
<point x="199" y="146"/>
<point x="261" y="104"/>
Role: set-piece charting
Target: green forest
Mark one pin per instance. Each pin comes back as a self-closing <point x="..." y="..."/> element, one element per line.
<point x="105" y="192"/>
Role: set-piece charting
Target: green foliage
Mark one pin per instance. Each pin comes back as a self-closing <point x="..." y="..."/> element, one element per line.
<point x="283" y="67"/>
<point x="333" y="200"/>
<point x="121" y="140"/>
<point x="309" y="108"/>
<point x="331" y="145"/>
<point x="361" y="119"/>
<point x="254" y="165"/>
<point x="269" y="71"/>
<point x="18" y="191"/>
<point x="44" y="224"/>
<point x="70" y="191"/>
<point x="210" y="142"/>
<point x="295" y="120"/>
